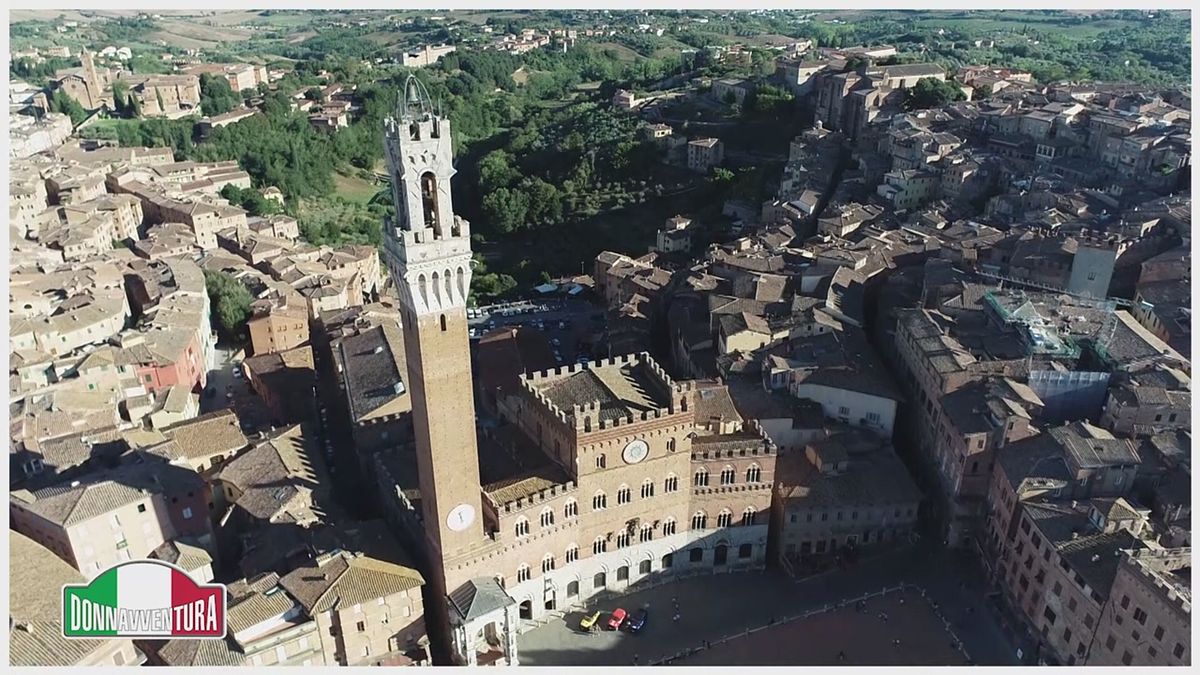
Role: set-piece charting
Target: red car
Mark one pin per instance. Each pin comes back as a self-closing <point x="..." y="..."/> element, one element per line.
<point x="618" y="617"/>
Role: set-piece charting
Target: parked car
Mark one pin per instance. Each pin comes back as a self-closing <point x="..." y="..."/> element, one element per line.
<point x="589" y="621"/>
<point x="638" y="621"/>
<point x="618" y="617"/>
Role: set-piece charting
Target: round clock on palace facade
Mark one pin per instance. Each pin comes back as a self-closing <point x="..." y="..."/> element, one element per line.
<point x="636" y="451"/>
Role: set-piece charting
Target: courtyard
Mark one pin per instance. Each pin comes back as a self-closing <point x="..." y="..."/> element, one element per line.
<point x="720" y="609"/>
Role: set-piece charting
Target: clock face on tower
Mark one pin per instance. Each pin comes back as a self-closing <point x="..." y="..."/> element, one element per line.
<point x="636" y="451"/>
<point x="460" y="517"/>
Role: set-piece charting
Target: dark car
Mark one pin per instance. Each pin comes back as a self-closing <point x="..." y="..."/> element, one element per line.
<point x="638" y="621"/>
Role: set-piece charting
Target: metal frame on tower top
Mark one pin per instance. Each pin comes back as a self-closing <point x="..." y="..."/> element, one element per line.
<point x="415" y="104"/>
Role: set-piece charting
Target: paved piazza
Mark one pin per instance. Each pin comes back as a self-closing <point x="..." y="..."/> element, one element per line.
<point x="845" y="636"/>
<point x="714" y="608"/>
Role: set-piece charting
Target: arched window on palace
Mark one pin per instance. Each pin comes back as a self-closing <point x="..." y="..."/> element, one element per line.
<point x="699" y="520"/>
<point x="547" y="517"/>
<point x="700" y="478"/>
<point x="522" y="527"/>
<point x="599" y="501"/>
<point x="647" y="489"/>
<point x="727" y="475"/>
<point x="724" y="518"/>
<point x="753" y="474"/>
<point x="748" y="515"/>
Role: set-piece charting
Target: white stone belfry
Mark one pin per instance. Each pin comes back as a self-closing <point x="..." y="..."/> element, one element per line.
<point x="426" y="246"/>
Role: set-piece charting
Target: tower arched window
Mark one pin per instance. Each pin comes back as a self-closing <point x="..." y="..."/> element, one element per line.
<point x="600" y="463"/>
<point x="442" y="320"/>
<point x="522" y="527"/>
<point x="523" y="573"/>
<point x="748" y="516"/>
<point x="668" y="527"/>
<point x="753" y="474"/>
<point x="647" y="489"/>
<point x="571" y="509"/>
<point x="670" y="445"/>
<point x="727" y="475"/>
<point x="699" y="520"/>
<point x="599" y="501"/>
<point x="547" y="517"/>
<point x="724" y="518"/>
<point x="429" y="202"/>
<point x="700" y="478"/>
<point x="623" y="495"/>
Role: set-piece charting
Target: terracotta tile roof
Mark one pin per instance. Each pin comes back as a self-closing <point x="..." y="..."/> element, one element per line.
<point x="36" y="577"/>
<point x="345" y="580"/>
<point x="210" y="434"/>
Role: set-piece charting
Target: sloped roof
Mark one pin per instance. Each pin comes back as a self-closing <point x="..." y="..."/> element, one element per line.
<point x="479" y="597"/>
<point x="36" y="577"/>
<point x="346" y="579"/>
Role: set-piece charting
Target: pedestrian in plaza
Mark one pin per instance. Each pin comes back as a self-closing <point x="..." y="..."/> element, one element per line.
<point x="676" y="617"/>
<point x="635" y="659"/>
<point x="841" y="656"/>
<point x="896" y="643"/>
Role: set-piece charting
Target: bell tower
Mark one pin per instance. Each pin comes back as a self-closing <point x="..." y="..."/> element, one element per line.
<point x="428" y="252"/>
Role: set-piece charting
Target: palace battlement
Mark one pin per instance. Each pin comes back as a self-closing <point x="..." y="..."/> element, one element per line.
<point x="535" y="498"/>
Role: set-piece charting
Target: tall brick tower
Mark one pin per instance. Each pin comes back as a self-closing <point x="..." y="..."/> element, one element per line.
<point x="428" y="251"/>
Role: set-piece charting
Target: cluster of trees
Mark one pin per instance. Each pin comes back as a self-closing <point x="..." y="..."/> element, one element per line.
<point x="488" y="287"/>
<point x="39" y="74"/>
<point x="277" y="148"/>
<point x="216" y="96"/>
<point x="251" y="200"/>
<point x="61" y="103"/>
<point x="125" y="105"/>
<point x="565" y="157"/>
<point x="930" y="93"/>
<point x="230" y="304"/>
<point x="335" y="221"/>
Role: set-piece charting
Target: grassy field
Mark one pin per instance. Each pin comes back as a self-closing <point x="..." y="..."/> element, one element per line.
<point x="354" y="189"/>
<point x="621" y="52"/>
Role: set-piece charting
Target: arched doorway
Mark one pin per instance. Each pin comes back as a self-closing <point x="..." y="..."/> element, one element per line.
<point x="600" y="580"/>
<point x="644" y="567"/>
<point x="526" y="610"/>
<point x="720" y="555"/>
<point x="623" y="573"/>
<point x="573" y="589"/>
<point x="668" y="560"/>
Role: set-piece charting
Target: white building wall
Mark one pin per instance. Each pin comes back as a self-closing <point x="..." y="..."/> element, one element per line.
<point x="858" y="406"/>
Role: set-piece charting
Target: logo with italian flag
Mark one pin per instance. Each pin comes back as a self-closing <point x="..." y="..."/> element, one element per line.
<point x="144" y="599"/>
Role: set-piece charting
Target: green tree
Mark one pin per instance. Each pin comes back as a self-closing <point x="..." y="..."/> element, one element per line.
<point x="506" y="209"/>
<point x="61" y="103"/>
<point x="496" y="171"/>
<point x="230" y="302"/>
<point x="932" y="93"/>
<point x="216" y="96"/>
<point x="120" y="90"/>
<point x="545" y="202"/>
